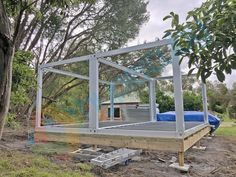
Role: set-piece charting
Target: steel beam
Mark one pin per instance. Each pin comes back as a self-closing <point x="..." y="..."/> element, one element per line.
<point x="39" y="98"/>
<point x="171" y="77"/>
<point x="134" y="48"/>
<point x="66" y="73"/>
<point x="130" y="81"/>
<point x="67" y="61"/>
<point x="93" y="93"/>
<point x="204" y="101"/>
<point x="178" y="94"/>
<point x="152" y="100"/>
<point x="123" y="68"/>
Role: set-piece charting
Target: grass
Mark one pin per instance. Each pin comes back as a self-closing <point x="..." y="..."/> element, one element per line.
<point x="51" y="148"/>
<point x="22" y="164"/>
<point x="227" y="130"/>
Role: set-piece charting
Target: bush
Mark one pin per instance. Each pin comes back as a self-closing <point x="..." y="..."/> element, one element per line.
<point x="11" y="121"/>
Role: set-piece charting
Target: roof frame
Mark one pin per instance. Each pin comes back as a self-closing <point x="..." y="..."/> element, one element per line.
<point x="110" y="53"/>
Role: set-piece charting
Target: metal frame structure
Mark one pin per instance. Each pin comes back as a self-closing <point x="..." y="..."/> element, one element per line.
<point x="94" y="81"/>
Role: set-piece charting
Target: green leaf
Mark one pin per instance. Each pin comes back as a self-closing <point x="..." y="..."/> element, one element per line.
<point x="179" y="52"/>
<point x="172" y="14"/>
<point x="166" y="17"/>
<point x="233" y="64"/>
<point x="220" y="75"/>
<point x="208" y="73"/>
<point x="166" y="35"/>
<point x="190" y="71"/>
<point x="176" y="19"/>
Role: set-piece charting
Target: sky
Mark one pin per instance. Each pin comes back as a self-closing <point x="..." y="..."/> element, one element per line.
<point x="155" y="27"/>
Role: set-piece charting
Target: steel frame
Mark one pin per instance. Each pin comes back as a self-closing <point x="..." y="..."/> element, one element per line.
<point x="93" y="79"/>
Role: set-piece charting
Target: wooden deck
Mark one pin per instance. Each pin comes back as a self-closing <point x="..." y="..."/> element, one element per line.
<point x="75" y="134"/>
<point x="169" y="143"/>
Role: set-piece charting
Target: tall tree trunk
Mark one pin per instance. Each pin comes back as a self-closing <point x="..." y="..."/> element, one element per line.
<point x="6" y="57"/>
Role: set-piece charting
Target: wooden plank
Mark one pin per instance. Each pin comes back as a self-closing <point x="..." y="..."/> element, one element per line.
<point x="195" y="137"/>
<point x="149" y="143"/>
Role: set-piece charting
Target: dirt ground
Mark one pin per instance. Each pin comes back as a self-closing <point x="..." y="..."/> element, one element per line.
<point x="218" y="160"/>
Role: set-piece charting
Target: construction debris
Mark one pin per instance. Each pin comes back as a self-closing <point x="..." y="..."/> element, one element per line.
<point x="199" y="147"/>
<point x="119" y="156"/>
<point x="173" y="159"/>
<point x="85" y="155"/>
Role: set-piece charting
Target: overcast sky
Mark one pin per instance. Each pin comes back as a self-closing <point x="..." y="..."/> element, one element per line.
<point x="155" y="27"/>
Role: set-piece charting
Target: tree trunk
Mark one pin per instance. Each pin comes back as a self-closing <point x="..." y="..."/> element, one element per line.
<point x="6" y="55"/>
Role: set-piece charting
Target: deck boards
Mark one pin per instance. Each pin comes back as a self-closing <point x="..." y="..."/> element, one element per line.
<point x="154" y="126"/>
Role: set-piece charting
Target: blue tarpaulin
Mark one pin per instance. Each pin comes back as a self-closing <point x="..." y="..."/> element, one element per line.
<point x="190" y="116"/>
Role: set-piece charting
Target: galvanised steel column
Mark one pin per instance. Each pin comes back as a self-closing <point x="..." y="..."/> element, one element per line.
<point x="112" y="101"/>
<point x="39" y="98"/>
<point x="93" y="93"/>
<point x="152" y="99"/>
<point x="178" y="93"/>
<point x="204" y="101"/>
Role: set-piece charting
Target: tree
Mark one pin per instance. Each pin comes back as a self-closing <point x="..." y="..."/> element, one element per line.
<point x="192" y="101"/>
<point x="54" y="30"/>
<point x="23" y="80"/>
<point x="6" y="54"/>
<point x="207" y="38"/>
<point x="106" y="26"/>
<point x="14" y="16"/>
<point x="218" y="97"/>
<point x="165" y="98"/>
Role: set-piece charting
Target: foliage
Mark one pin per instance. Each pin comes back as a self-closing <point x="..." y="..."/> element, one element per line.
<point x="207" y="38"/>
<point x="218" y="97"/>
<point x="23" y="80"/>
<point x="69" y="106"/>
<point x="12" y="121"/>
<point x="166" y="102"/>
<point x="52" y="116"/>
<point x="192" y="101"/>
<point x="232" y="102"/>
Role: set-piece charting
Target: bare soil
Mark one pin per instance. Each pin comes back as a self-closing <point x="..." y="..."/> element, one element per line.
<point x="218" y="160"/>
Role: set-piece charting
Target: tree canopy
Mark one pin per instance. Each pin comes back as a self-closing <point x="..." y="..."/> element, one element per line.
<point x="207" y="38"/>
<point x="50" y="30"/>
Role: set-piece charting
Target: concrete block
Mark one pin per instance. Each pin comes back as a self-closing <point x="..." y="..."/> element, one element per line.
<point x="184" y="168"/>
